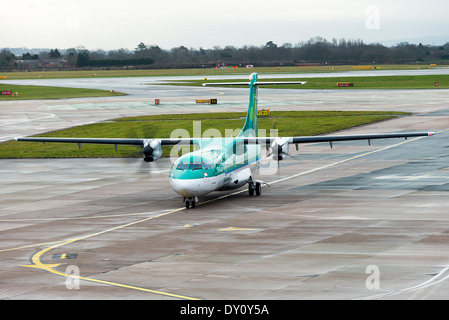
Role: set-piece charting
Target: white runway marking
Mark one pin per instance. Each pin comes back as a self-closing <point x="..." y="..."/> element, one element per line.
<point x="431" y="282"/>
<point x="48" y="115"/>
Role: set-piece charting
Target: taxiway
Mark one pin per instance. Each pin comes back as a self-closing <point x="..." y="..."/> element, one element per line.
<point x="330" y="217"/>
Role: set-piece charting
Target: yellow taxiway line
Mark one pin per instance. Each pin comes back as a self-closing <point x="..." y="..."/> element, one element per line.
<point x="38" y="264"/>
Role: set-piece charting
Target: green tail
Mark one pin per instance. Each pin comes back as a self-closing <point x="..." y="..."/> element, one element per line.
<point x="250" y="127"/>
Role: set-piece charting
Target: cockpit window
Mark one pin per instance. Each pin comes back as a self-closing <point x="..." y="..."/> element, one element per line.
<point x="182" y="166"/>
<point x="193" y="166"/>
<point x="206" y="165"/>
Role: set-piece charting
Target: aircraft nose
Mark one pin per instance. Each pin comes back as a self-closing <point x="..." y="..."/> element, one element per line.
<point x="182" y="187"/>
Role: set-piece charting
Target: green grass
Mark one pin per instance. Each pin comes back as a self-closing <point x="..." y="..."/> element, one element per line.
<point x="375" y="82"/>
<point x="288" y="123"/>
<point x="383" y="82"/>
<point x="273" y="114"/>
<point x="193" y="72"/>
<point x="43" y="92"/>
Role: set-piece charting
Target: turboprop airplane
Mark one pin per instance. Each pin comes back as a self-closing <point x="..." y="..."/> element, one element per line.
<point x="224" y="163"/>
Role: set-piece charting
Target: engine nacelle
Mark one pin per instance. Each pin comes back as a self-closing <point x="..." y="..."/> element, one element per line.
<point x="279" y="149"/>
<point x="152" y="150"/>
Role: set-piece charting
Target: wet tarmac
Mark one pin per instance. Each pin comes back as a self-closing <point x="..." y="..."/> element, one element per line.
<point x="351" y="222"/>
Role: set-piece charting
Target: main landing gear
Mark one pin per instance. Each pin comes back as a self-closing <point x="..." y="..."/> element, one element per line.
<point x="254" y="187"/>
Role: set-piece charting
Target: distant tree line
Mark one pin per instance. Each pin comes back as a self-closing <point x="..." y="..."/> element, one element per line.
<point x="314" y="51"/>
<point x="84" y="60"/>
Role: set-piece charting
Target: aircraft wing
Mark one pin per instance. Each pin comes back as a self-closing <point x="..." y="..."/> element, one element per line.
<point x="279" y="145"/>
<point x="151" y="148"/>
<point x="250" y="140"/>
<point x="131" y="142"/>
<point x="334" y="138"/>
<point x="357" y="137"/>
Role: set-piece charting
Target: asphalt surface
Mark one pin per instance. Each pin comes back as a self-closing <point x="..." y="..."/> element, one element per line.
<point x="351" y="222"/>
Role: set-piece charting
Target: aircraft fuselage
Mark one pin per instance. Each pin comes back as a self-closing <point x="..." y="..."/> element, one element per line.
<point x="224" y="166"/>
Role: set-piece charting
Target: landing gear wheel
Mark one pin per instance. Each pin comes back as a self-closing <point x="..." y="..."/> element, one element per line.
<point x="191" y="202"/>
<point x="258" y="189"/>
<point x="251" y="188"/>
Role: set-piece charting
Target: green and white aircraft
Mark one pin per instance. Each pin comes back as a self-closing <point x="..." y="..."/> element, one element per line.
<point x="224" y="163"/>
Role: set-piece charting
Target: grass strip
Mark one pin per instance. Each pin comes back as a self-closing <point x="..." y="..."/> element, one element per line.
<point x="45" y="92"/>
<point x="202" y="72"/>
<point x="288" y="123"/>
<point x="324" y="83"/>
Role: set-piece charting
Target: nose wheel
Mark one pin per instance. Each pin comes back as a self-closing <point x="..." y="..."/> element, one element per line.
<point x="191" y="202"/>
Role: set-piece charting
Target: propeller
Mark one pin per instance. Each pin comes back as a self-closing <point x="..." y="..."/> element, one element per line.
<point x="279" y="149"/>
<point x="279" y="146"/>
<point x="142" y="130"/>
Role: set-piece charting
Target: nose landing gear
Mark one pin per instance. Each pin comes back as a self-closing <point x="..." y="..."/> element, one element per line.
<point x="191" y="202"/>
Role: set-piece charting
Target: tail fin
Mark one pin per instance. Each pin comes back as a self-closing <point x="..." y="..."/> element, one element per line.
<point x="250" y="127"/>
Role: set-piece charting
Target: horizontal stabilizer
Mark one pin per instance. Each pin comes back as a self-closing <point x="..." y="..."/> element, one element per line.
<point x="258" y="83"/>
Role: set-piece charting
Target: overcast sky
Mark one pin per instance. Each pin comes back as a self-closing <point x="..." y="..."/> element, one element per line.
<point x="114" y="24"/>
